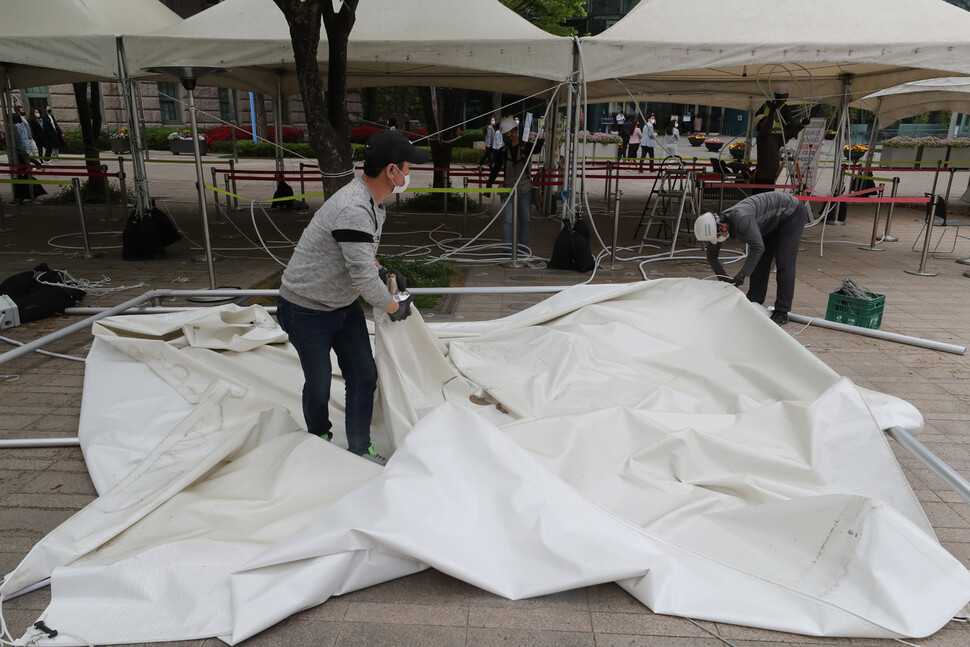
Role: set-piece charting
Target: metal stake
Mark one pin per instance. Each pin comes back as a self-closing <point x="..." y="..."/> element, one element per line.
<point x="871" y="247"/>
<point x="616" y="229"/>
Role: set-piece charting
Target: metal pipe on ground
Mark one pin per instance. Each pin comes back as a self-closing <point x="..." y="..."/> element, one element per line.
<point x="880" y="334"/>
<point x="936" y="465"/>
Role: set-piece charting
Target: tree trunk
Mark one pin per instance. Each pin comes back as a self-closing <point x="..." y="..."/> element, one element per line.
<point x="401" y="107"/>
<point x="259" y="107"/>
<point x="89" y="116"/>
<point x="328" y="124"/>
<point x="442" y="108"/>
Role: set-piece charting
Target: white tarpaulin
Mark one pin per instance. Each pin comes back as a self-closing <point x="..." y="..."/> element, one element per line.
<point x="664" y="435"/>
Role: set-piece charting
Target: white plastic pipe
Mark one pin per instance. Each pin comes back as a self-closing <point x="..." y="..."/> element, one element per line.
<point x="880" y="334"/>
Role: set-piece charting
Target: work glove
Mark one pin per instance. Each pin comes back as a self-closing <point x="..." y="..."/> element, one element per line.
<point x="725" y="279"/>
<point x="402" y="282"/>
<point x="403" y="309"/>
<point x="738" y="280"/>
<point x="806" y="121"/>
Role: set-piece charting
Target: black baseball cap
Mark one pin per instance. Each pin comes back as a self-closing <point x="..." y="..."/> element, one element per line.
<point x="392" y="147"/>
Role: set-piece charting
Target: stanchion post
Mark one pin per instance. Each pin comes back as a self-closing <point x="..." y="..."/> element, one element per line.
<point x="464" y="221"/>
<point x="122" y="186"/>
<point x="926" y="241"/>
<point x="445" y="194"/>
<point x="515" y="263"/>
<point x="76" y="184"/>
<point x="232" y="129"/>
<point x="218" y="220"/>
<point x="107" y="193"/>
<point x="606" y="184"/>
<point x="232" y="172"/>
<point x="616" y="229"/>
<point x="875" y="228"/>
<point x="889" y="214"/>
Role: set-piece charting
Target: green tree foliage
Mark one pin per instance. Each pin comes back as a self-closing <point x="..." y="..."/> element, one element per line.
<point x="548" y="14"/>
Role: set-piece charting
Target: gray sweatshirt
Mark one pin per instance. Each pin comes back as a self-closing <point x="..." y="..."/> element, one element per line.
<point x="749" y="220"/>
<point x="335" y="261"/>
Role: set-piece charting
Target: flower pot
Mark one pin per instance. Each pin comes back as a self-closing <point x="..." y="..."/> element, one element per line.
<point x="179" y="146"/>
<point x="904" y="156"/>
<point x="855" y="156"/>
<point x="737" y="153"/>
<point x="695" y="141"/>
<point x="830" y="136"/>
<point x="960" y="155"/>
<point x="120" y="146"/>
<point x="714" y="147"/>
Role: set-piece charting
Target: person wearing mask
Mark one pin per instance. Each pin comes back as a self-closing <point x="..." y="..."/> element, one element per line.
<point x="488" y="136"/>
<point x="626" y="130"/>
<point x="20" y="140"/>
<point x="771" y="224"/>
<point x="775" y="124"/>
<point x="333" y="266"/>
<point x="673" y="137"/>
<point x="518" y="173"/>
<point x="52" y="134"/>
<point x="649" y="141"/>
<point x="37" y="132"/>
<point x="21" y="114"/>
<point x="636" y="135"/>
<point x="497" y="145"/>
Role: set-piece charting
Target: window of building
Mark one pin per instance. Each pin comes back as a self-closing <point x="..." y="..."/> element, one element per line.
<point x="38" y="98"/>
<point x="168" y="104"/>
<point x="226" y="112"/>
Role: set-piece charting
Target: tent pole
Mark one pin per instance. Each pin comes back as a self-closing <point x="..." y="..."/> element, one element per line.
<point x="578" y="108"/>
<point x="567" y="137"/>
<point x="200" y="179"/>
<point x="139" y="175"/>
<point x="7" y="107"/>
<point x="279" y="127"/>
<point x="872" y="138"/>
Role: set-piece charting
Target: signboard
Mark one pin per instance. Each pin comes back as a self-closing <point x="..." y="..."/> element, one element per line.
<point x="809" y="150"/>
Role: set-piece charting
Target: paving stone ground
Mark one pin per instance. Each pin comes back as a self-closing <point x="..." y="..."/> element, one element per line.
<point x="40" y="397"/>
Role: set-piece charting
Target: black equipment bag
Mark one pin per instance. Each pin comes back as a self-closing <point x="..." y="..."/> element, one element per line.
<point x="147" y="236"/>
<point x="571" y="248"/>
<point x="36" y="300"/>
<point x="283" y="190"/>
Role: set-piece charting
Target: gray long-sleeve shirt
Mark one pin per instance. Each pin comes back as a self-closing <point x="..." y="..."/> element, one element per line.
<point x="335" y="261"/>
<point x="749" y="220"/>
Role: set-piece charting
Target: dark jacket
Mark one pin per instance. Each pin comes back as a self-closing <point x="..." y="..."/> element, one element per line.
<point x="37" y="132"/>
<point x="749" y="221"/>
<point x="55" y="138"/>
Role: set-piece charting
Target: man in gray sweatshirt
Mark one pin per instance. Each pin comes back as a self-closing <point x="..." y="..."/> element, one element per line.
<point x="333" y="265"/>
<point x="771" y="224"/>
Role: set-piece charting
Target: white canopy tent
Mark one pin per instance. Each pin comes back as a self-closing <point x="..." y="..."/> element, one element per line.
<point x="421" y="42"/>
<point x="74" y="41"/>
<point x="719" y="47"/>
<point x="908" y="99"/>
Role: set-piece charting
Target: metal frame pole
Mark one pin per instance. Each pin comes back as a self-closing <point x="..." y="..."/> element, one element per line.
<point x="616" y="228"/>
<point x="122" y="185"/>
<point x="200" y="179"/>
<point x="515" y="263"/>
<point x="946" y="473"/>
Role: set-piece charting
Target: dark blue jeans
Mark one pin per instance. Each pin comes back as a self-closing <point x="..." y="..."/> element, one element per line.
<point x="313" y="334"/>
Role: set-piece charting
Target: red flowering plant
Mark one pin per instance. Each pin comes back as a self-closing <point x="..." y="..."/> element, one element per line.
<point x="224" y="133"/>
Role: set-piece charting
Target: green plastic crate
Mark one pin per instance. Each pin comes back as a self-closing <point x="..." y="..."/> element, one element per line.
<point x="856" y="312"/>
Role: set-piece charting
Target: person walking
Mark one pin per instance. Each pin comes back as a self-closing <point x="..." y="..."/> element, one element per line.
<point x="672" y="138"/>
<point x="333" y="266"/>
<point x="488" y="136"/>
<point x="636" y="135"/>
<point x="649" y="141"/>
<point x="771" y="224"/>
<point x="37" y="133"/>
<point x="53" y="135"/>
<point x="498" y="158"/>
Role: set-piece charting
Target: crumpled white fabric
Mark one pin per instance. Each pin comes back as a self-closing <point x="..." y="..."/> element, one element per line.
<point x="665" y="435"/>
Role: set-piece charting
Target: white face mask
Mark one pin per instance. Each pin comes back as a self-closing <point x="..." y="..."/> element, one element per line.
<point x="407" y="181"/>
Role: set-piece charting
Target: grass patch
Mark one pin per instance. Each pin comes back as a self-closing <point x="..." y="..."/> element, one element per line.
<point x="433" y="203"/>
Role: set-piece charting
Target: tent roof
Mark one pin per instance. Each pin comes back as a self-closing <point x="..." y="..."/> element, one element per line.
<point x="477" y="44"/>
<point x="75" y="43"/>
<point x="908" y="99"/>
<point x="718" y="47"/>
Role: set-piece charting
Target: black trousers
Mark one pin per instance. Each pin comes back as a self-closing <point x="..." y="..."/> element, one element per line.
<point x="781" y="246"/>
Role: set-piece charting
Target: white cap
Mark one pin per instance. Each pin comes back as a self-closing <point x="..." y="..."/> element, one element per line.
<point x="781" y="88"/>
<point x="507" y="124"/>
